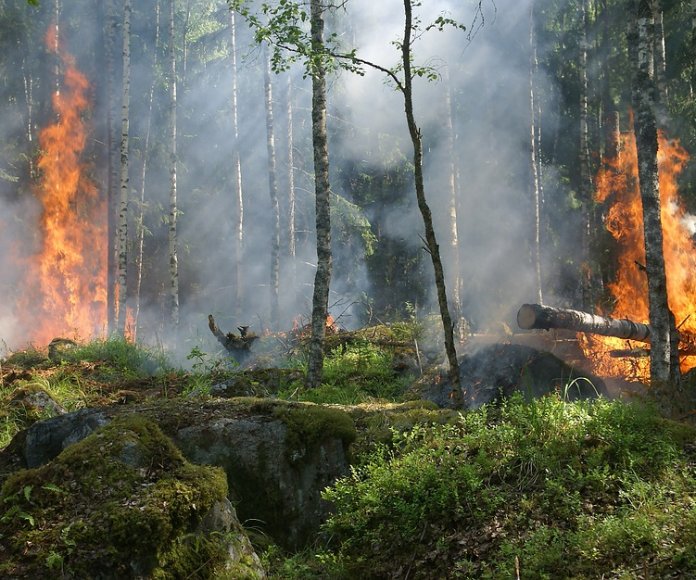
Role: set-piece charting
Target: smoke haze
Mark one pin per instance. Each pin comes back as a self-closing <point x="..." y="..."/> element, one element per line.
<point x="486" y="70"/>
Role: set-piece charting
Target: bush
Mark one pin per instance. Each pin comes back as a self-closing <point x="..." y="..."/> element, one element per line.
<point x="555" y="489"/>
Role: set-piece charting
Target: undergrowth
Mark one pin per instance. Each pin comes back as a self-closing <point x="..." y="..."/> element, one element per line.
<point x="547" y="489"/>
<point x="83" y="375"/>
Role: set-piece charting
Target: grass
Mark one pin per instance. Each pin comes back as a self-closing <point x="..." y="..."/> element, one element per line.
<point x="90" y="374"/>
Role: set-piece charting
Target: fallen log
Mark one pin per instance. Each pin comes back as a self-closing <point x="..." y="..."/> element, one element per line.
<point x="544" y="317"/>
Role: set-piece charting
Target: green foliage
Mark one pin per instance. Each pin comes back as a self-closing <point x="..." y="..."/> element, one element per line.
<point x="354" y="372"/>
<point x="569" y="490"/>
<point x="121" y="356"/>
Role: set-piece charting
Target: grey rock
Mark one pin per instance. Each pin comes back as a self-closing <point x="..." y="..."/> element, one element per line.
<point x="46" y="439"/>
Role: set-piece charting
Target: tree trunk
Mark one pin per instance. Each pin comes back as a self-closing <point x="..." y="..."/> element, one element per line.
<point x="173" y="209"/>
<point x="662" y="367"/>
<point x="124" y="180"/>
<point x="292" y="242"/>
<point x="610" y="116"/>
<point x="535" y="182"/>
<point x="112" y="173"/>
<point x="693" y="47"/>
<point x="660" y="51"/>
<point x="140" y="222"/>
<point x="453" y="187"/>
<point x="322" y="279"/>
<point x="273" y="192"/>
<point x="28" y="79"/>
<point x="238" y="221"/>
<point x="585" y="188"/>
<point x="544" y="318"/>
<point x="430" y="237"/>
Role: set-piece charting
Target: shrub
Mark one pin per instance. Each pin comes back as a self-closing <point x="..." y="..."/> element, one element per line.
<point x="555" y="489"/>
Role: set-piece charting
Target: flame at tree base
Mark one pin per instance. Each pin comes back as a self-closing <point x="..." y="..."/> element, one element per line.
<point x="64" y="291"/>
<point x="618" y="187"/>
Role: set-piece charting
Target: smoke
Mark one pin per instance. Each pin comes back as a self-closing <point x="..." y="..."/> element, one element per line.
<point x="486" y="71"/>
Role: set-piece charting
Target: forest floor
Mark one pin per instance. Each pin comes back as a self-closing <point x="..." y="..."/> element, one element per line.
<point x="526" y="489"/>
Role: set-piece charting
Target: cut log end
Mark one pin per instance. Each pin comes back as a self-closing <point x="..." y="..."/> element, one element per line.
<point x="537" y="316"/>
<point x="526" y="317"/>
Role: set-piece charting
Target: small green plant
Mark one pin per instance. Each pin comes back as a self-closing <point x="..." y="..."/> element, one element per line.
<point x="555" y="489"/>
<point x="15" y="511"/>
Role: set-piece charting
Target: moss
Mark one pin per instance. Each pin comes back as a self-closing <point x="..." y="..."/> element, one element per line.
<point x="111" y="505"/>
<point x="309" y="425"/>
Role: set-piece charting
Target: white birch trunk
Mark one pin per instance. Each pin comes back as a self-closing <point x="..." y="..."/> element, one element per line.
<point x="238" y="220"/>
<point x="662" y="360"/>
<point x="140" y="223"/>
<point x="536" y="193"/>
<point x="112" y="174"/>
<point x="292" y="210"/>
<point x="173" y="208"/>
<point x="585" y="188"/>
<point x="123" y="176"/>
<point x="453" y="186"/>
<point x="273" y="193"/>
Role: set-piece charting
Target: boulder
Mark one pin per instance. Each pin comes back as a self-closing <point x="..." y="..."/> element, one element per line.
<point x="122" y="503"/>
<point x="278" y="456"/>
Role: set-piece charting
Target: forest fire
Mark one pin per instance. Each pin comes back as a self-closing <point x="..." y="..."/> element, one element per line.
<point x="617" y="186"/>
<point x="64" y="290"/>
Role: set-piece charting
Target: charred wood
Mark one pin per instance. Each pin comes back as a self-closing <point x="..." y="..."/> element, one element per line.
<point x="235" y="344"/>
<point x="544" y="317"/>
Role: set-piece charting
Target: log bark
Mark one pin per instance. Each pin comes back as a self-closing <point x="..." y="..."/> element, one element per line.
<point x="544" y="317"/>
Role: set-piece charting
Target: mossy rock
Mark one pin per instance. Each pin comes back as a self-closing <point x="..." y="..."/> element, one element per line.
<point x="122" y="503"/>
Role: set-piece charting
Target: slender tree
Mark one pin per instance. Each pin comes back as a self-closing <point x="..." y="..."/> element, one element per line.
<point x="237" y="176"/>
<point x="322" y="278"/>
<point x="663" y="368"/>
<point x="173" y="207"/>
<point x="124" y="179"/>
<point x="273" y="192"/>
<point x="112" y="163"/>
<point x="659" y="51"/>
<point x="430" y="237"/>
<point x="453" y="187"/>
<point x="585" y="189"/>
<point x="534" y="153"/>
<point x="292" y="210"/>
<point x="140" y="221"/>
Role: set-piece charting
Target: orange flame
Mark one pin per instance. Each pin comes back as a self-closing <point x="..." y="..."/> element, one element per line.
<point x="65" y="279"/>
<point x="617" y="185"/>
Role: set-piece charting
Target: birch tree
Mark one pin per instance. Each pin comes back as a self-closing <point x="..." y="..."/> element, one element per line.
<point x="140" y="221"/>
<point x="659" y="50"/>
<point x="237" y="176"/>
<point x="664" y="364"/>
<point x="584" y="158"/>
<point x="534" y="153"/>
<point x="292" y="210"/>
<point x="112" y="170"/>
<point x="289" y="41"/>
<point x="273" y="192"/>
<point x="124" y="181"/>
<point x="173" y="208"/>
